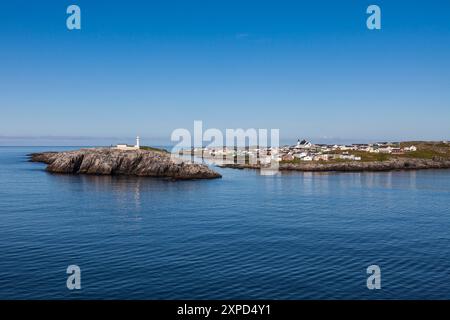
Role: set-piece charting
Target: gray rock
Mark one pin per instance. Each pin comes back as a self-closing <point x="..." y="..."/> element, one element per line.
<point x="357" y="166"/>
<point x="107" y="161"/>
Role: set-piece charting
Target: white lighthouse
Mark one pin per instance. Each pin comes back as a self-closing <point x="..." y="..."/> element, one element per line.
<point x="137" y="146"/>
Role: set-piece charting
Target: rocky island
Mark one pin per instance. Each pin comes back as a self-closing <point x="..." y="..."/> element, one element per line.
<point x="146" y="162"/>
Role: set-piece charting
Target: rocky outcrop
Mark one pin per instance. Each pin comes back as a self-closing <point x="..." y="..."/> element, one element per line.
<point x="357" y="166"/>
<point x="107" y="161"/>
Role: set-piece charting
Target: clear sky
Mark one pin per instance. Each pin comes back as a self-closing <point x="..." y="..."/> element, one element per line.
<point x="310" y="68"/>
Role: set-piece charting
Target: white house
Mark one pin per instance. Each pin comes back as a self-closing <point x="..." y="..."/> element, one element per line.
<point x="127" y="147"/>
<point x="323" y="157"/>
<point x="385" y="150"/>
<point x="364" y="148"/>
<point x="300" y="155"/>
<point x="303" y="144"/>
<point x="411" y="148"/>
<point x="346" y="147"/>
<point x="347" y="156"/>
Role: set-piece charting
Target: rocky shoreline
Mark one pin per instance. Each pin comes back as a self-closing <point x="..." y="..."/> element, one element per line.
<point x="108" y="161"/>
<point x="356" y="166"/>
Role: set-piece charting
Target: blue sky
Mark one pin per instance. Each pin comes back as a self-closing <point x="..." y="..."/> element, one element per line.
<point x="310" y="68"/>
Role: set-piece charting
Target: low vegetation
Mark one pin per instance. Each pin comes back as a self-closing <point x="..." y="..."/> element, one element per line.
<point x="154" y="149"/>
<point x="428" y="150"/>
<point x="367" y="156"/>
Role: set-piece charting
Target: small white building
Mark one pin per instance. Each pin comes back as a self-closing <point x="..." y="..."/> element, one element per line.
<point x="322" y="157"/>
<point x="346" y="147"/>
<point x="385" y="150"/>
<point x="128" y="147"/>
<point x="303" y="144"/>
<point x="300" y="155"/>
<point x="347" y="157"/>
<point x="411" y="148"/>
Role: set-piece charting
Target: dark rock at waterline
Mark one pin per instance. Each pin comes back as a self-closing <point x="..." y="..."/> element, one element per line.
<point x="356" y="166"/>
<point x="108" y="161"/>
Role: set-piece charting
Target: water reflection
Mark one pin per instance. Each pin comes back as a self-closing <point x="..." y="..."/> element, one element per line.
<point x="128" y="192"/>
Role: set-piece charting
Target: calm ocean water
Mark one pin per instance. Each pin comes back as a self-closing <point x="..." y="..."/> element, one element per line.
<point x="246" y="236"/>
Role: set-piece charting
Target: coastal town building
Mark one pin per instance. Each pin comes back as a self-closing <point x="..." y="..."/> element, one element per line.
<point x="303" y="144"/>
<point x="411" y="148"/>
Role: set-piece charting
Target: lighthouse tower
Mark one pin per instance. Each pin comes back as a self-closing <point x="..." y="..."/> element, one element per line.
<point x="137" y="146"/>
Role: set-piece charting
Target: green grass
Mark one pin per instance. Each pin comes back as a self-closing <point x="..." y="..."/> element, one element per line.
<point x="154" y="149"/>
<point x="428" y="150"/>
<point x="426" y="154"/>
<point x="367" y="156"/>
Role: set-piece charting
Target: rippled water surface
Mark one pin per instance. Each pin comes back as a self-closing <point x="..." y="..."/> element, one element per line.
<point x="246" y="236"/>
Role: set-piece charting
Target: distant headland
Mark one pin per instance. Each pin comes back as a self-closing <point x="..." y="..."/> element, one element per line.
<point x="306" y="156"/>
